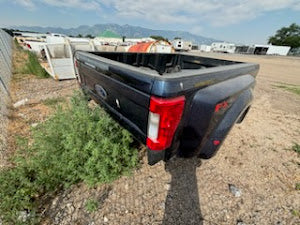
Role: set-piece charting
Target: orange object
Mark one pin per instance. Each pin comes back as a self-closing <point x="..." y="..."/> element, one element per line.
<point x="141" y="47"/>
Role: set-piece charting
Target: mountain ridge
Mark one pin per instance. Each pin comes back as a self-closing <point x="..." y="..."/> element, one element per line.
<point x="123" y="30"/>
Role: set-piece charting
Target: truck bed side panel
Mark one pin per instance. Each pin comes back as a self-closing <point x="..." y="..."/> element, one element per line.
<point x="202" y="120"/>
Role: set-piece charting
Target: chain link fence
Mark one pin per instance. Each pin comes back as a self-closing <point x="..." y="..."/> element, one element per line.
<point x="5" y="76"/>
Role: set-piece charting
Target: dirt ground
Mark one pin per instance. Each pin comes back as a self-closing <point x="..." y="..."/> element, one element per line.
<point x="257" y="158"/>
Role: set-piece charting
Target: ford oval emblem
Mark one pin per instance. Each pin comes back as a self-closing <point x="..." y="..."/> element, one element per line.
<point x="100" y="91"/>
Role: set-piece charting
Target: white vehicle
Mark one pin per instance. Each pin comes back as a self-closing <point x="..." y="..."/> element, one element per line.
<point x="205" y="48"/>
<point x="181" y="45"/>
<point x="223" y="47"/>
<point x="33" y="46"/>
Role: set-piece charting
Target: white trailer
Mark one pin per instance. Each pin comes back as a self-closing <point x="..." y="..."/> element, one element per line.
<point x="223" y="47"/>
<point x="205" y="48"/>
<point x="269" y="50"/>
<point x="34" y="46"/>
<point x="278" y="50"/>
<point x="182" y="45"/>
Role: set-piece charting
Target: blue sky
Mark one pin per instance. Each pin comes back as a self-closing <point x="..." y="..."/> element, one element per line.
<point x="240" y="21"/>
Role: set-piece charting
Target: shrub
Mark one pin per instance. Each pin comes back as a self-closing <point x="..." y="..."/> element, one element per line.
<point x="76" y="144"/>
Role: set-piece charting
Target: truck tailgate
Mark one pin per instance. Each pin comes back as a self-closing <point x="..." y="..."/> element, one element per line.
<point x="127" y="104"/>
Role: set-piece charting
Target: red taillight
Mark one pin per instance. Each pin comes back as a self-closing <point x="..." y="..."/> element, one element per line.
<point x="29" y="46"/>
<point x="216" y="142"/>
<point x="164" y="117"/>
<point x="76" y="63"/>
<point x="222" y="105"/>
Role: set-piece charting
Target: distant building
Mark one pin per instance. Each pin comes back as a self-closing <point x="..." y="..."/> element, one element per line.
<point x="223" y="47"/>
<point x="294" y="52"/>
<point x="110" y="38"/>
<point x="28" y="34"/>
<point x="195" y="47"/>
<point x="262" y="49"/>
<point x="138" y="40"/>
<point x="242" y="49"/>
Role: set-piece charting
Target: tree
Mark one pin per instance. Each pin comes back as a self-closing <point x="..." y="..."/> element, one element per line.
<point x="288" y="36"/>
<point x="9" y="31"/>
<point x="89" y="36"/>
<point x="159" y="38"/>
<point x="79" y="35"/>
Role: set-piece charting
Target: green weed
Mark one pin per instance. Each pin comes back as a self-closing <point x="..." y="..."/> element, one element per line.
<point x="91" y="205"/>
<point x="33" y="66"/>
<point x="54" y="101"/>
<point x="296" y="148"/>
<point x="295" y="213"/>
<point x="76" y="144"/>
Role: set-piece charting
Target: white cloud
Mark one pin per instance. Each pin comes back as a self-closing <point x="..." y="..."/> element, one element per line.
<point x="191" y="12"/>
<point x="29" y="4"/>
<point x="80" y="4"/>
<point x="215" y="12"/>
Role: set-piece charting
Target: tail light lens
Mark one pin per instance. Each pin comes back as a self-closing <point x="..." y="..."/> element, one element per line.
<point x="75" y="63"/>
<point x="29" y="46"/>
<point x="164" y="117"/>
<point x="221" y="106"/>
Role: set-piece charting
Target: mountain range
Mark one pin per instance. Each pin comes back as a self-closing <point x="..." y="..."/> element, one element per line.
<point x="122" y="30"/>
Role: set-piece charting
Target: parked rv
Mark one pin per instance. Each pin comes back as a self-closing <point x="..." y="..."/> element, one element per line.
<point x="182" y="45"/>
<point x="223" y="47"/>
<point x="205" y="48"/>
